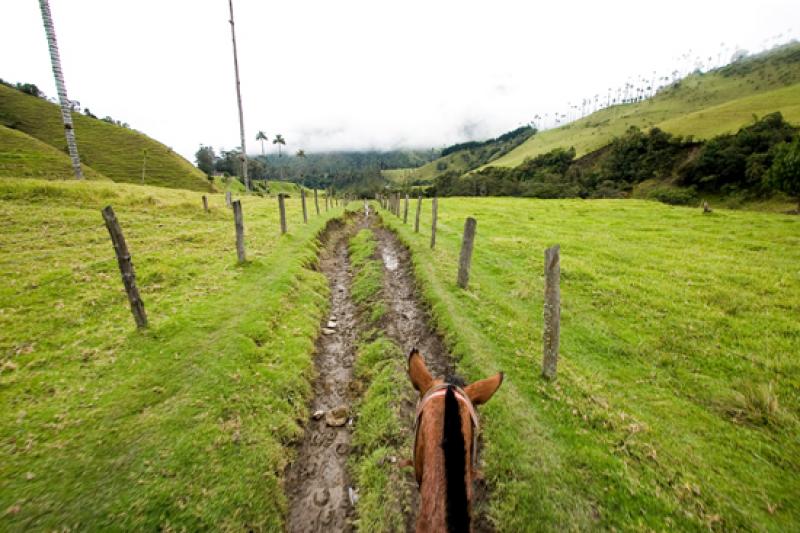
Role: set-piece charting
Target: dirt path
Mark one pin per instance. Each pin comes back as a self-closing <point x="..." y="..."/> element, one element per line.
<point x="317" y="482"/>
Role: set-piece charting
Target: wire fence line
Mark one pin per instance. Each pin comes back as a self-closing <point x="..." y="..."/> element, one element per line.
<point x="96" y="239"/>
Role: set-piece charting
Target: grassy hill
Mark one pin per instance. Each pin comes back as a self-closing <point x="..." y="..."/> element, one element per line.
<point x="702" y="105"/>
<point x="677" y="404"/>
<point x="113" y="151"/>
<point x="22" y="156"/>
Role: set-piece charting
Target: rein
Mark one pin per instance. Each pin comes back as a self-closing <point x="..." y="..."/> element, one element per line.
<point x="439" y="391"/>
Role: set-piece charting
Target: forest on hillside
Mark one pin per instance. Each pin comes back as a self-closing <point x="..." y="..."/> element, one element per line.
<point x="342" y="169"/>
<point x="758" y="160"/>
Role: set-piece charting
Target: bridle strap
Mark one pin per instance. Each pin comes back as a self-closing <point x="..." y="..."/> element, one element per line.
<point x="438" y="391"/>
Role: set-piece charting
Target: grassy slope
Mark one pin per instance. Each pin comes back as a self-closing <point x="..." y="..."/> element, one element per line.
<point x="714" y="102"/>
<point x="113" y="151"/>
<point x="182" y="426"/>
<point x="730" y="116"/>
<point x="675" y="327"/>
<point x="22" y="156"/>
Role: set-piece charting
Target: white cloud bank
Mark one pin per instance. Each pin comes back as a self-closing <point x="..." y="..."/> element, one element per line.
<point x="363" y="74"/>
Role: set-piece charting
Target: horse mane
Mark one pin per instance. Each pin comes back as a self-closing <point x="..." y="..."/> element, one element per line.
<point x="454" y="465"/>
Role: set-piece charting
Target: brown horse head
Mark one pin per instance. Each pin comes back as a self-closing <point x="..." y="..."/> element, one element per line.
<point x="444" y="450"/>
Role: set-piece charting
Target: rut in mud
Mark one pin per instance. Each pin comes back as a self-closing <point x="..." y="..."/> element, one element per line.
<point x="317" y="483"/>
<point x="408" y="324"/>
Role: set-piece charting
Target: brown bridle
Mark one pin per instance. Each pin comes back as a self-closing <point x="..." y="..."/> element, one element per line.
<point x="438" y="391"/>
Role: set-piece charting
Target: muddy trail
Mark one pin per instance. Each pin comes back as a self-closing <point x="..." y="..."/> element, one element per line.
<point x="318" y="485"/>
<point x="317" y="482"/>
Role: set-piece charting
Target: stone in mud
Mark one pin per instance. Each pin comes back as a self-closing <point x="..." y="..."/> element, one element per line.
<point x="337" y="416"/>
<point x="327" y="331"/>
<point x="319" y="413"/>
<point x="331" y="324"/>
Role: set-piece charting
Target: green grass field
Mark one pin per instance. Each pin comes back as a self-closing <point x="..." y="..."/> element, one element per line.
<point x="113" y="151"/>
<point x="182" y="426"/>
<point x="678" y="396"/>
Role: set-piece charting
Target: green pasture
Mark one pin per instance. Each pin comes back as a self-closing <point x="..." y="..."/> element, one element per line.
<point x="678" y="395"/>
<point x="184" y="426"/>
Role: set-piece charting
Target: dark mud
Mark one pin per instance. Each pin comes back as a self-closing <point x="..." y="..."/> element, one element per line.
<point x="317" y="482"/>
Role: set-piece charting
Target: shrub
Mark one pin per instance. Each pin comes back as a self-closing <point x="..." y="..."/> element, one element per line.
<point x="673" y="195"/>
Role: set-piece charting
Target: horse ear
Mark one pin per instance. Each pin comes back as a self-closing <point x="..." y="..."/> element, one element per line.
<point x="418" y="372"/>
<point x="481" y="391"/>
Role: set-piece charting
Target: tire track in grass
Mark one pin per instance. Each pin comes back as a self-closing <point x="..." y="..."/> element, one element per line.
<point x="317" y="481"/>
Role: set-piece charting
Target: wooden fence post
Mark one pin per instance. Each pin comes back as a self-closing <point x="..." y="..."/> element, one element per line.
<point x="434" y="214"/>
<point x="238" y="221"/>
<point x="282" y="209"/>
<point x="419" y="208"/>
<point x="228" y="198"/>
<point x="552" y="310"/>
<point x="125" y="267"/>
<point x="465" y="259"/>
<point x="405" y="211"/>
<point x="205" y="203"/>
<point x="303" y="199"/>
<point x="316" y="200"/>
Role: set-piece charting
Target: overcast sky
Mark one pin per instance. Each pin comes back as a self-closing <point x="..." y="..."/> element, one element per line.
<point x="355" y="74"/>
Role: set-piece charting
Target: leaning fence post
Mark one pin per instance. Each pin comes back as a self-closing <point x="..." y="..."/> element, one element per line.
<point x="465" y="259"/>
<point x="238" y="221"/>
<point x="125" y="266"/>
<point x="434" y="214"/>
<point x="303" y="200"/>
<point x="205" y="203"/>
<point x="552" y="310"/>
<point x="228" y="198"/>
<point x="326" y="201"/>
<point x="419" y="208"/>
<point x="405" y="211"/>
<point x="316" y="201"/>
<point x="282" y="209"/>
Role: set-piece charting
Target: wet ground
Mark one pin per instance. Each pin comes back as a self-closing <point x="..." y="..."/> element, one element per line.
<point x="318" y="484"/>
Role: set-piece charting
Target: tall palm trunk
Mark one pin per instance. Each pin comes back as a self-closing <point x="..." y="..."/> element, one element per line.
<point x="239" y="99"/>
<point x="66" y="107"/>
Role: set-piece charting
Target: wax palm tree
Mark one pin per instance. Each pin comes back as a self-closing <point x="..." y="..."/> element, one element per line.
<point x="66" y="106"/>
<point x="261" y="136"/>
<point x="279" y="141"/>
<point x="302" y="155"/>
<point x="239" y="100"/>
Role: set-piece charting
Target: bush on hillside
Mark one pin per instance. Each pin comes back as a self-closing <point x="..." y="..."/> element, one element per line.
<point x="738" y="162"/>
<point x="784" y="173"/>
<point x="674" y="195"/>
